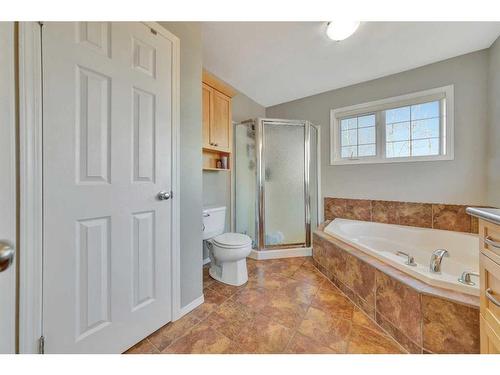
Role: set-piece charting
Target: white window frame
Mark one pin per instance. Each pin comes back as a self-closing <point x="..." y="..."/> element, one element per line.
<point x="446" y="149"/>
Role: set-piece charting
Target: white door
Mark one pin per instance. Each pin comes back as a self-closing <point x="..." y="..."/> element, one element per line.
<point x="7" y="189"/>
<point x="107" y="120"/>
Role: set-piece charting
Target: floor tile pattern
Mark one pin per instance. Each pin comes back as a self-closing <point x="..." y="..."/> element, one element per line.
<point x="287" y="306"/>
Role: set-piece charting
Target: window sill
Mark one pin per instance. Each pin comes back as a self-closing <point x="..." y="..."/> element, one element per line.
<point x="392" y="160"/>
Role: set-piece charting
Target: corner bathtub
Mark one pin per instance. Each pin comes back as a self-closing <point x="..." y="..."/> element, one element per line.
<point x="383" y="241"/>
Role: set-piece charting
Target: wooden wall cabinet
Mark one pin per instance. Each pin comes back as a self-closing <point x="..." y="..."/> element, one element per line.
<point x="217" y="121"/>
<point x="490" y="287"/>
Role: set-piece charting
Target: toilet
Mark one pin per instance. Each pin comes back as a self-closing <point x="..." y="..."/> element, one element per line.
<point x="228" y="251"/>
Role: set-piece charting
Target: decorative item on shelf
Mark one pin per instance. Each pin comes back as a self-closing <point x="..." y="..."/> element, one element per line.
<point x="223" y="161"/>
<point x="219" y="164"/>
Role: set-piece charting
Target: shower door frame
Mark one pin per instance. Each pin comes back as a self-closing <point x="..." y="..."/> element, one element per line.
<point x="260" y="170"/>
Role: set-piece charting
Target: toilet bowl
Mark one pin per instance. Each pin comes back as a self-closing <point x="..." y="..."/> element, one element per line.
<point x="227" y="251"/>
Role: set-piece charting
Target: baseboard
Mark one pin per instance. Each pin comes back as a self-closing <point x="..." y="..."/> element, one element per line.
<point x="281" y="253"/>
<point x="206" y="261"/>
<point x="191" y="306"/>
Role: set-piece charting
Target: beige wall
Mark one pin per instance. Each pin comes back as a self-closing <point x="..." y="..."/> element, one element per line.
<point x="462" y="180"/>
<point x="189" y="34"/>
<point x="494" y="125"/>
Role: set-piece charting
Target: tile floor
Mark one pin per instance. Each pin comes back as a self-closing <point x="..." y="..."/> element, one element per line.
<point x="287" y="306"/>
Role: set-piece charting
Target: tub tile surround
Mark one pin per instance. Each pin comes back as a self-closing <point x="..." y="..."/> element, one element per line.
<point x="449" y="327"/>
<point x="287" y="306"/>
<point x="425" y="215"/>
<point x="420" y="317"/>
<point x="399" y="305"/>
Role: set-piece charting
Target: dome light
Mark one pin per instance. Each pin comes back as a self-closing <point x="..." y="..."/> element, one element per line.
<point x="340" y="30"/>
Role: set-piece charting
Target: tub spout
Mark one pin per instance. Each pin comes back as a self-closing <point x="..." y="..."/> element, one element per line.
<point x="436" y="259"/>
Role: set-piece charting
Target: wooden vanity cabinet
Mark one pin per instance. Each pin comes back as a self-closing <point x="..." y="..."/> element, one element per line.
<point x="489" y="234"/>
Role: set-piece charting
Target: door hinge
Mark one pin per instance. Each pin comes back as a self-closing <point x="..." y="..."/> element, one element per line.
<point x="41" y="345"/>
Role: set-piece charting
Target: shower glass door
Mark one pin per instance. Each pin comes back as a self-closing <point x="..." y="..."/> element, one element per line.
<point x="245" y="165"/>
<point x="283" y="171"/>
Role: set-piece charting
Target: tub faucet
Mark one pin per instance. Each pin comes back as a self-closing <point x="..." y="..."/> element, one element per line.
<point x="436" y="259"/>
<point x="465" y="278"/>
<point x="410" y="261"/>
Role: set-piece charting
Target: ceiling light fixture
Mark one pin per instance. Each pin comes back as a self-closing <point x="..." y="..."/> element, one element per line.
<point x="340" y="30"/>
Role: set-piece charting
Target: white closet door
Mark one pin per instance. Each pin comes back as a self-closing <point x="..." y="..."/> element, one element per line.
<point x="7" y="189"/>
<point x="107" y="153"/>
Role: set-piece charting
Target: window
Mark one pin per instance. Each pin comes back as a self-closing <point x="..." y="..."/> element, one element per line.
<point x="413" y="127"/>
<point x="357" y="136"/>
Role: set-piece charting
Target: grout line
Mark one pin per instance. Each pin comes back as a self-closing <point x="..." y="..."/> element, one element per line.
<point x="292" y="336"/>
<point x="153" y="345"/>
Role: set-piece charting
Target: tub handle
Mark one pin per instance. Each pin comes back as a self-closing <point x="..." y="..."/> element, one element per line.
<point x="490" y="242"/>
<point x="489" y="295"/>
<point x="465" y="278"/>
<point x="410" y="261"/>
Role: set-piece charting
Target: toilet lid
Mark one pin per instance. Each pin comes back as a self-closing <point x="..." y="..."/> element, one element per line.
<point x="232" y="240"/>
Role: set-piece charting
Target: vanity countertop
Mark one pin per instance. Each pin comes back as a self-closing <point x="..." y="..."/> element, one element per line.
<point x="489" y="214"/>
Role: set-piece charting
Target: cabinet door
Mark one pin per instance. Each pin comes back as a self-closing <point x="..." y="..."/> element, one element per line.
<point x="490" y="342"/>
<point x="220" y="129"/>
<point x="207" y="113"/>
<point x="490" y="293"/>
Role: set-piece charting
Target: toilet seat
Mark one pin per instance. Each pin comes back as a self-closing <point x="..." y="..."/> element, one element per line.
<point x="232" y="240"/>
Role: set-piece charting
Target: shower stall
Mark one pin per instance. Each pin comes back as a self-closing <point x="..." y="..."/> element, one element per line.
<point x="276" y="180"/>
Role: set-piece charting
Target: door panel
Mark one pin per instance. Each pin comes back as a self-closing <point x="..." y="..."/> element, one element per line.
<point x="107" y="153"/>
<point x="7" y="185"/>
<point x="207" y="113"/>
<point x="219" y="131"/>
<point x="283" y="171"/>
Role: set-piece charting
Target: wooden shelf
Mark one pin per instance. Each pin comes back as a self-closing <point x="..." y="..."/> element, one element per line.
<point x="210" y="158"/>
<point x="216" y="169"/>
<point x="216" y="150"/>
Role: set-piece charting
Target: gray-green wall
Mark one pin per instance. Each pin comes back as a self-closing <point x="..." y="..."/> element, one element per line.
<point x="494" y="125"/>
<point x="462" y="180"/>
<point x="189" y="34"/>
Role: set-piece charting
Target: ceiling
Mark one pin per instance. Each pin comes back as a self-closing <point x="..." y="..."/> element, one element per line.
<point x="276" y="62"/>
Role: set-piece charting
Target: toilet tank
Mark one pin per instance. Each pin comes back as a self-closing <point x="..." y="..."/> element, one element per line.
<point x="214" y="221"/>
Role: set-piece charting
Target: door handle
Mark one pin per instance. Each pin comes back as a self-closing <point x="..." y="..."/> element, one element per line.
<point x="490" y="242"/>
<point x="7" y="253"/>
<point x="491" y="298"/>
<point x="164" y="195"/>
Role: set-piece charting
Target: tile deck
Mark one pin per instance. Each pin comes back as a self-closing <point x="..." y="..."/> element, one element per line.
<point x="287" y="306"/>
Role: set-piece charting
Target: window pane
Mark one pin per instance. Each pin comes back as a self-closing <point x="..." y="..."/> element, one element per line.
<point x="423" y="147"/>
<point x="397" y="115"/>
<point x="425" y="110"/>
<point x="365" y="121"/>
<point x="366" y="135"/>
<point x="367" y="150"/>
<point x="349" y="123"/>
<point x="425" y="129"/>
<point x="397" y="132"/>
<point x="349" y="152"/>
<point x="349" y="137"/>
<point x="397" y="149"/>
